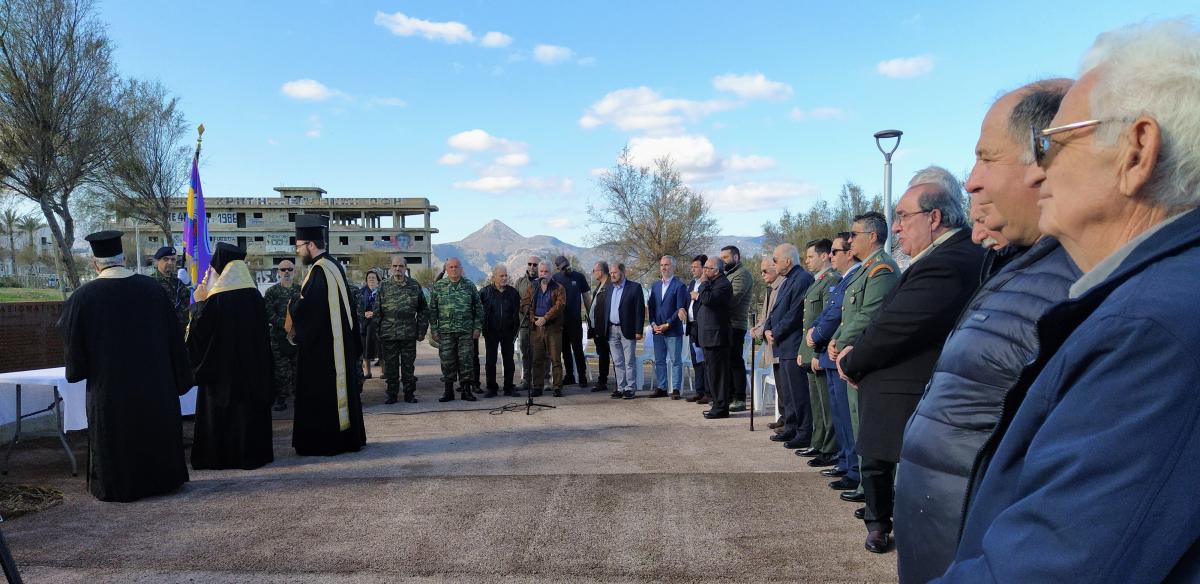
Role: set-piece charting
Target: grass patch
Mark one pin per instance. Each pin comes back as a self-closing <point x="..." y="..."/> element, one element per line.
<point x="29" y="294"/>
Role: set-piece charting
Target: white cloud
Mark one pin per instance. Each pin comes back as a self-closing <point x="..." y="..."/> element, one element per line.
<point x="309" y="90"/>
<point x="906" y="67"/>
<point x="492" y="184"/>
<point x="477" y="141"/>
<point x="552" y="54"/>
<point x="752" y="163"/>
<point x="691" y="154"/>
<point x="586" y="62"/>
<point x="389" y="102"/>
<point x="514" y="159"/>
<point x="642" y="108"/>
<point x="759" y="196"/>
<point x="495" y="40"/>
<point x="559" y="223"/>
<point x="555" y="184"/>
<point x="817" y="113"/>
<point x="752" y="86"/>
<point x="452" y="159"/>
<point x="314" y="127"/>
<point x="447" y="32"/>
<point x="598" y="172"/>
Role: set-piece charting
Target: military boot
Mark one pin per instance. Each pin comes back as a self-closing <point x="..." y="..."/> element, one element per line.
<point x="467" y="394"/>
<point x="449" y="393"/>
<point x="391" y="395"/>
<point x="409" y="397"/>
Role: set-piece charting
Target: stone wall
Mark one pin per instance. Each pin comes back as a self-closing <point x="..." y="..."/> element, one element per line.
<point x="28" y="337"/>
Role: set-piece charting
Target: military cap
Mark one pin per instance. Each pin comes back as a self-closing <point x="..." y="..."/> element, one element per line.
<point x="225" y="253"/>
<point x="165" y="251"/>
<point x="105" y="244"/>
<point x="311" y="227"/>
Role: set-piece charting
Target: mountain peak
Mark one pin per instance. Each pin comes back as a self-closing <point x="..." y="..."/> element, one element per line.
<point x="495" y="230"/>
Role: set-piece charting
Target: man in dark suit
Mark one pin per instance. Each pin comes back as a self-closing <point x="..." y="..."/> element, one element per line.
<point x="688" y="314"/>
<point x="784" y="329"/>
<point x="600" y="275"/>
<point x="621" y="311"/>
<point x="892" y="360"/>
<point x="714" y="301"/>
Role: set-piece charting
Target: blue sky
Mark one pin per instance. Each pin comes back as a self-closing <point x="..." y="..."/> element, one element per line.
<point x="507" y="109"/>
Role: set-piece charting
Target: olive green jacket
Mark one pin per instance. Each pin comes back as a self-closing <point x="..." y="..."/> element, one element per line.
<point x="864" y="295"/>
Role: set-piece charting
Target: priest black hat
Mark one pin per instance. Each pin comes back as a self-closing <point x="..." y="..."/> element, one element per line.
<point x="225" y="253"/>
<point x="311" y="227"/>
<point x="105" y="244"/>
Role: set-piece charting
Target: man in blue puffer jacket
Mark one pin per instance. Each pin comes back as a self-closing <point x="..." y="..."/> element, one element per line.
<point x="992" y="341"/>
<point x="1091" y="475"/>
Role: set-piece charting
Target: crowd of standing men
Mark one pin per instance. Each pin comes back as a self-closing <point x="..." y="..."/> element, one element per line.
<point x="991" y="402"/>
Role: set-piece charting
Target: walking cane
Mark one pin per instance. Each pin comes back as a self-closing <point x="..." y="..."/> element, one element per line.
<point x="753" y="348"/>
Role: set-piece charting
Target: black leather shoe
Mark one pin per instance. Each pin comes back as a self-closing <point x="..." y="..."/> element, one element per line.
<point x="600" y="386"/>
<point x="821" y="461"/>
<point x="774" y="425"/>
<point x="391" y="399"/>
<point x="853" y="497"/>
<point x="796" y="443"/>
<point x="468" y="396"/>
<point x="628" y="394"/>
<point x="536" y="392"/>
<point x="808" y="452"/>
<point x="878" y="542"/>
<point x="410" y="398"/>
<point x="860" y="512"/>
<point x="675" y="395"/>
<point x="557" y="392"/>
<point x="616" y="394"/>
<point x="569" y="380"/>
<point x="833" y="472"/>
<point x="583" y="382"/>
<point x="782" y="437"/>
<point x="711" y="415"/>
<point x="490" y="393"/>
<point x="844" y="484"/>
<point x="658" y="393"/>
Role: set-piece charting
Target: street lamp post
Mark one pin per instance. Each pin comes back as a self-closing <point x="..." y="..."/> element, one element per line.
<point x="880" y="136"/>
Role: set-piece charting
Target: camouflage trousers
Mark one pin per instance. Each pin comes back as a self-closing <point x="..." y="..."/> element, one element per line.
<point x="399" y="358"/>
<point x="457" y="354"/>
<point x="285" y="369"/>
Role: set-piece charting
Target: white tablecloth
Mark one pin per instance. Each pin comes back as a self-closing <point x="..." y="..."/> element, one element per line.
<point x="37" y="394"/>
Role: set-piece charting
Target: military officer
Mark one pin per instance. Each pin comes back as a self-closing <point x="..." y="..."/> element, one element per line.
<point x="455" y="322"/>
<point x="403" y="318"/>
<point x="177" y="291"/>
<point x="863" y="297"/>
<point x="824" y="443"/>
<point x="283" y="351"/>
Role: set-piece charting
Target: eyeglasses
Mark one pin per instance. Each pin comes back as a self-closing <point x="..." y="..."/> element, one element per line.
<point x="1040" y="139"/>
<point x="709" y="268"/>
<point x="286" y="269"/>
<point x="854" y="234"/>
<point x="901" y="215"/>
<point x="399" y="266"/>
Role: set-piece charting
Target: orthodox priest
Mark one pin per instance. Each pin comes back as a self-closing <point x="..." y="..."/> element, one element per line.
<point x="328" y="418"/>
<point x="231" y="358"/>
<point x="133" y="380"/>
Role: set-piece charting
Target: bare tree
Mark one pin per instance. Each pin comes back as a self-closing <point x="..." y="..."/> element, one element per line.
<point x="150" y="161"/>
<point x="56" y="83"/>
<point x="648" y="213"/>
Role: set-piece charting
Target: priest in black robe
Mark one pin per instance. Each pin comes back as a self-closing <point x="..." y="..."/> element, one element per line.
<point x="122" y="335"/>
<point x="231" y="358"/>
<point x="328" y="415"/>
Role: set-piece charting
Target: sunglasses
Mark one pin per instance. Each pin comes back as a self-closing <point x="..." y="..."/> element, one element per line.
<point x="836" y="251"/>
<point x="399" y="266"/>
<point x="531" y="264"/>
<point x="286" y="269"/>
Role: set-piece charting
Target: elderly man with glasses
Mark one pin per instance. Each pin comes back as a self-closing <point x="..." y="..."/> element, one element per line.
<point x="993" y="340"/>
<point x="892" y="359"/>
<point x="523" y="285"/>
<point x="403" y="318"/>
<point x="1092" y="474"/>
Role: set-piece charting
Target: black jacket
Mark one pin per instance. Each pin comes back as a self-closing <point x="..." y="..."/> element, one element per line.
<point x="995" y="337"/>
<point x="501" y="312"/>
<point x="893" y="358"/>
<point x="632" y="311"/>
<point x="712" y="312"/>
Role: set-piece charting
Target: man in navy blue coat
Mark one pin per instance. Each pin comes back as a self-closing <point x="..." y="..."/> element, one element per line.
<point x="784" y="329"/>
<point x="818" y="337"/>
<point x="667" y="296"/>
<point x="1092" y="474"/>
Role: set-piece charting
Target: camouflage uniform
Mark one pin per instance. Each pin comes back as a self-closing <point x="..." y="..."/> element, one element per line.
<point x="454" y="314"/>
<point x="403" y="316"/>
<point x="277" y="299"/>
<point x="179" y="293"/>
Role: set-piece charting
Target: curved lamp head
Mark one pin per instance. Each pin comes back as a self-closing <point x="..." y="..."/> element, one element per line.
<point x="884" y="135"/>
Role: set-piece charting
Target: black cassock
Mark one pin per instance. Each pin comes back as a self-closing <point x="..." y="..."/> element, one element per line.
<point x="316" y="430"/>
<point x="231" y="357"/>
<point x="123" y="336"/>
